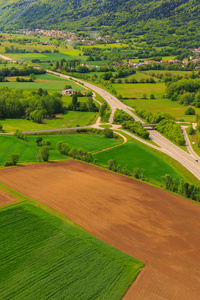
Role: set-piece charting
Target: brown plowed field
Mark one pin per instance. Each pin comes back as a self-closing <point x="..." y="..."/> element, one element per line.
<point x="157" y="227"/>
<point x="6" y="198"/>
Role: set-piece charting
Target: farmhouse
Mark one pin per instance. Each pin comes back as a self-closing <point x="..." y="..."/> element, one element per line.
<point x="68" y="92"/>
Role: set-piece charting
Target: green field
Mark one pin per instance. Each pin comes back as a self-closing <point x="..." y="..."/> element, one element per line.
<point x="45" y="85"/>
<point x="165" y="106"/>
<point x="88" y="142"/>
<point x="69" y="119"/>
<point x="27" y="152"/>
<point x="45" y="257"/>
<point x="136" y="155"/>
<point x="136" y="90"/>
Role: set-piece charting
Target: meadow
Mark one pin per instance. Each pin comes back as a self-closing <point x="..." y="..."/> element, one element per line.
<point x="28" y="151"/>
<point x="67" y="120"/>
<point x="88" y="142"/>
<point x="160" y="103"/>
<point x="136" y="155"/>
<point x="43" y="256"/>
<point x="136" y="90"/>
<point x="45" y="85"/>
<point x="163" y="105"/>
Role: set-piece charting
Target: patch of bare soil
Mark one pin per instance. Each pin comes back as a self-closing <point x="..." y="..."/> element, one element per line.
<point x="152" y="225"/>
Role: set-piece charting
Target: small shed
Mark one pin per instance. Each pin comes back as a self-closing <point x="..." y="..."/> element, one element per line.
<point x="68" y="92"/>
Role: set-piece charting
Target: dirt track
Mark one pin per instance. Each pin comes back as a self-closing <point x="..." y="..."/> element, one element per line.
<point x="159" y="228"/>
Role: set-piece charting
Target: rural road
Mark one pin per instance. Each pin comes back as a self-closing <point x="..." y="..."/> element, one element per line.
<point x="167" y="147"/>
<point x="6" y="58"/>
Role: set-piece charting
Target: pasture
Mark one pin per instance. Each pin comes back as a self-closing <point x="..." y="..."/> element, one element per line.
<point x="156" y="227"/>
<point x="163" y="105"/>
<point x="88" y="142"/>
<point x="69" y="119"/>
<point x="55" y="84"/>
<point x="137" y="155"/>
<point x="28" y="151"/>
<point x="47" y="257"/>
<point x="136" y="90"/>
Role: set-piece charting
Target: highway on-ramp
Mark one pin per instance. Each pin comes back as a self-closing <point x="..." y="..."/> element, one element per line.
<point x="186" y="159"/>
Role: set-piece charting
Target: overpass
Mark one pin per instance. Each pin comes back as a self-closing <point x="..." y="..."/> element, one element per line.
<point x="149" y="126"/>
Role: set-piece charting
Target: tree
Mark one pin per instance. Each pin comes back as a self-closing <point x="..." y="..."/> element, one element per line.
<point x="44" y="152"/>
<point x="190" y="129"/>
<point x="62" y="147"/>
<point x="14" y="158"/>
<point x="39" y="139"/>
<point x="46" y="143"/>
<point x="1" y="127"/>
<point x="144" y="96"/>
<point x="73" y="152"/>
<point x="112" y="165"/>
<point x="152" y="96"/>
<point x="33" y="76"/>
<point x="68" y="86"/>
<point x="190" y="111"/>
<point x="108" y="133"/>
<point x="136" y="172"/>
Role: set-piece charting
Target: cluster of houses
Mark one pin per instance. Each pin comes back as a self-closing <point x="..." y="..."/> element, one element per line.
<point x="171" y="61"/>
<point x="68" y="36"/>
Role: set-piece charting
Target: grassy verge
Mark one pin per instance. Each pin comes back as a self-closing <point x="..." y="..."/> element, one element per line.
<point x="193" y="142"/>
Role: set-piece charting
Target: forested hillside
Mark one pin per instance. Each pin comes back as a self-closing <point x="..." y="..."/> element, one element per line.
<point x="133" y="17"/>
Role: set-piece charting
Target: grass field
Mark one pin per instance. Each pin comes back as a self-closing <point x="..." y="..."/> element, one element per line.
<point x="137" y="155"/>
<point x="45" y="85"/>
<point x="88" y="142"/>
<point x="137" y="90"/>
<point x="45" y="257"/>
<point x="69" y="119"/>
<point x="27" y="152"/>
<point x="165" y="106"/>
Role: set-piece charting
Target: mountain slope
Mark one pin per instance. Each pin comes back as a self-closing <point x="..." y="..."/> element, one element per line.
<point x="107" y="15"/>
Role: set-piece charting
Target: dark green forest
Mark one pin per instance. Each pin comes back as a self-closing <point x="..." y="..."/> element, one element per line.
<point x="177" y="21"/>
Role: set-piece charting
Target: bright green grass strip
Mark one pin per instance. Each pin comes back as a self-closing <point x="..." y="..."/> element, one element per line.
<point x="44" y="257"/>
<point x="44" y="85"/>
<point x="88" y="142"/>
<point x="27" y="152"/>
<point x="69" y="119"/>
<point x="52" y="77"/>
<point x="136" y="156"/>
<point x="163" y="105"/>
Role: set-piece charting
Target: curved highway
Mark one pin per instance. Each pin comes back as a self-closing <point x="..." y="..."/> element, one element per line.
<point x="188" y="161"/>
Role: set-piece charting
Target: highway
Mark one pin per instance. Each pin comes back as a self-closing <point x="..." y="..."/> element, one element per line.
<point x="167" y="147"/>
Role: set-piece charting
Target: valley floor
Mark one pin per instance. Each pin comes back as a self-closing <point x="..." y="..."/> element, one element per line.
<point x="158" y="228"/>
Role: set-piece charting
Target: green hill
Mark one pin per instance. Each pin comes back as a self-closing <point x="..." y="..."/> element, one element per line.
<point x="138" y="17"/>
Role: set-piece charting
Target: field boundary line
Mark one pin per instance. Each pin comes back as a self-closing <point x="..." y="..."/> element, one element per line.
<point x="124" y="138"/>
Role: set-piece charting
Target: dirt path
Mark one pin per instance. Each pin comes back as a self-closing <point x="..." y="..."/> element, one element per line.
<point x="6" y="58"/>
<point x="157" y="227"/>
<point x="124" y="141"/>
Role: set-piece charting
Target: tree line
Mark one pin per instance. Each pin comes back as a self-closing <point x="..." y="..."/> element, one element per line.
<point x="15" y="105"/>
<point x="13" y="71"/>
<point x="127" y="122"/>
<point x="75" y="105"/>
<point x="186" y="91"/>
